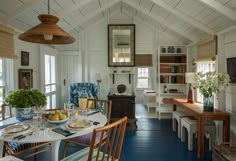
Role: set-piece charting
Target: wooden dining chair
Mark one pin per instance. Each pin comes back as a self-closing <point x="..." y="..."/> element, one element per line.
<point x="21" y="150"/>
<point x="104" y="106"/>
<point x="107" y="148"/>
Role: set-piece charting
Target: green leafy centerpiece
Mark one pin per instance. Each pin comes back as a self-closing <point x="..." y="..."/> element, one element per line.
<point x="209" y="84"/>
<point x="24" y="100"/>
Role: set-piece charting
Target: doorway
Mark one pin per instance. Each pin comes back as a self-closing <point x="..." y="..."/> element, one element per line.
<point x="48" y="58"/>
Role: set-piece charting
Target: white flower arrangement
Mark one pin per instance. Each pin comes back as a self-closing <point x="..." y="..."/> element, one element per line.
<point x="210" y="83"/>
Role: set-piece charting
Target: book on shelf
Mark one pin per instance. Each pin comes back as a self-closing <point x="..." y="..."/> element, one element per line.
<point x="167" y="100"/>
<point x="164" y="79"/>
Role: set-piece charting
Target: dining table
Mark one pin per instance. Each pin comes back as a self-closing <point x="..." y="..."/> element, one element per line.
<point x="196" y="109"/>
<point x="36" y="135"/>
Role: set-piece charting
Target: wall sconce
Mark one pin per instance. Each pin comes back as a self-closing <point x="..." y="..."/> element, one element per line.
<point x="189" y="78"/>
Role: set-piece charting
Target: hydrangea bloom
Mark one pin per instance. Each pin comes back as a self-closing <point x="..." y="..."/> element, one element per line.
<point x="210" y="83"/>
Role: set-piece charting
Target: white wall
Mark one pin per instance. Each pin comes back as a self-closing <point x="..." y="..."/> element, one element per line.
<point x="227" y="48"/>
<point x="94" y="49"/>
<point x="34" y="60"/>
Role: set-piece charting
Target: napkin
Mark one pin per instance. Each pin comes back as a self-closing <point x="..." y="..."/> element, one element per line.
<point x="63" y="132"/>
<point x="8" y="122"/>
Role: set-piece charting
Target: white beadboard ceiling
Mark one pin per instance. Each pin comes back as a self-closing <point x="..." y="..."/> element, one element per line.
<point x="185" y="20"/>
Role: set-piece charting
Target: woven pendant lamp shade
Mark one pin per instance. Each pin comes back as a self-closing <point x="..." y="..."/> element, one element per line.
<point x="47" y="32"/>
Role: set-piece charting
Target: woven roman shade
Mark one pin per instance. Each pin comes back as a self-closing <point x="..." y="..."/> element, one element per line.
<point x="143" y="60"/>
<point x="206" y="49"/>
<point x="7" y="42"/>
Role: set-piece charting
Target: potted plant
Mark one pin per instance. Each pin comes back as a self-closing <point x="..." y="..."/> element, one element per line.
<point x="209" y="84"/>
<point x="23" y="100"/>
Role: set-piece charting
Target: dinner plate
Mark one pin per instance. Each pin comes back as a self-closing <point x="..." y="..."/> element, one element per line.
<point x="78" y="124"/>
<point x="16" y="128"/>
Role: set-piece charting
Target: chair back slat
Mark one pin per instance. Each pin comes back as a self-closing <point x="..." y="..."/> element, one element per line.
<point x="111" y="141"/>
<point x="103" y="105"/>
<point x="5" y="108"/>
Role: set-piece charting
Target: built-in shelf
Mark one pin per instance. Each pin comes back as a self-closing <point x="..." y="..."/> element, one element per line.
<point x="172" y="65"/>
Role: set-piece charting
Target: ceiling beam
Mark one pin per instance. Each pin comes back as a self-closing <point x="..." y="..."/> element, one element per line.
<point x="95" y="13"/>
<point x="24" y="8"/>
<point x="134" y="5"/>
<point x="220" y="8"/>
<point x="184" y="17"/>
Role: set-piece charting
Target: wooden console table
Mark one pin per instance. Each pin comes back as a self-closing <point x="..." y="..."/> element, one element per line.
<point x="123" y="105"/>
<point x="196" y="109"/>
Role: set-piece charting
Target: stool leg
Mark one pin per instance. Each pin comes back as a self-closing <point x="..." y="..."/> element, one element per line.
<point x="182" y="134"/>
<point x="179" y="131"/>
<point x="173" y="124"/>
<point x="210" y="142"/>
<point x="190" y="141"/>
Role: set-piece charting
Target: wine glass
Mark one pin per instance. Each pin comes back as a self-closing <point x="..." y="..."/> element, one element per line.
<point x="70" y="109"/>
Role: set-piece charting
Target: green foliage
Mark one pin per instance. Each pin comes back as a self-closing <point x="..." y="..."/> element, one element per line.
<point x="24" y="98"/>
<point x="210" y="83"/>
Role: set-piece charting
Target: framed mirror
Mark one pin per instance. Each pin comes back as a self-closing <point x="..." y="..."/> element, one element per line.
<point x="121" y="45"/>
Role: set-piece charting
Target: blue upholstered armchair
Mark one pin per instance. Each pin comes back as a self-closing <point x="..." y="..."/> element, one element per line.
<point x="82" y="90"/>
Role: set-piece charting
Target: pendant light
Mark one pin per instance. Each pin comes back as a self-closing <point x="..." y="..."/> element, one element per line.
<point x="47" y="32"/>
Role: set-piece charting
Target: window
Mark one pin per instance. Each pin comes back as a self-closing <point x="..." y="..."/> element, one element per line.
<point x="143" y="77"/>
<point x="6" y="79"/>
<point x="2" y="84"/>
<point x="204" y="67"/>
<point x="50" y="80"/>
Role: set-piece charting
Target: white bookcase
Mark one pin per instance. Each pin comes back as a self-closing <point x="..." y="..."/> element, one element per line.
<point x="171" y="68"/>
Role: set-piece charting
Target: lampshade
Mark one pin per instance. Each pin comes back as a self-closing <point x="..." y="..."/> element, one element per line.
<point x="98" y="77"/>
<point x="189" y="77"/>
<point x="47" y="32"/>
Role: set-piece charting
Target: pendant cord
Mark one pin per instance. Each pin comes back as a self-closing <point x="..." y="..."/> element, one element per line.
<point x="48" y="7"/>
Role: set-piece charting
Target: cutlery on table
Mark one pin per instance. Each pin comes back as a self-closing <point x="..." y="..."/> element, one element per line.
<point x="23" y="135"/>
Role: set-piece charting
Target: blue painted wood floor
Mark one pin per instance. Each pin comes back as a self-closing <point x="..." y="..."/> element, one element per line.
<point x="153" y="141"/>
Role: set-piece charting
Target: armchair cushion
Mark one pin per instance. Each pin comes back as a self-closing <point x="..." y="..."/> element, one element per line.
<point x="82" y="90"/>
<point x="83" y="103"/>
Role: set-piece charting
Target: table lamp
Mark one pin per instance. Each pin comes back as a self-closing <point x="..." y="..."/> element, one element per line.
<point x="189" y="78"/>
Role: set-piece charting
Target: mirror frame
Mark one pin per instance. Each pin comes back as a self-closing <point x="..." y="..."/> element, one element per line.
<point x="111" y="38"/>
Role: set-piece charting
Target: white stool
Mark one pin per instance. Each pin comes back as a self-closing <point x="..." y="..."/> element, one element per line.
<point x="151" y="105"/>
<point x="177" y="115"/>
<point x="191" y="126"/>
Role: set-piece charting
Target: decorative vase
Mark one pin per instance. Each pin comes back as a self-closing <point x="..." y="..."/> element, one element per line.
<point x="208" y="103"/>
<point x="24" y="113"/>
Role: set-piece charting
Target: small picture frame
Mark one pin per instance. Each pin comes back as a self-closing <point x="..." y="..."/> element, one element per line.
<point x="24" y="58"/>
<point x="25" y="78"/>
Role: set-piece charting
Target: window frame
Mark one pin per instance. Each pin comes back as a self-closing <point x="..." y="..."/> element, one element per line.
<point x="7" y="80"/>
<point x="202" y="67"/>
<point x="148" y="77"/>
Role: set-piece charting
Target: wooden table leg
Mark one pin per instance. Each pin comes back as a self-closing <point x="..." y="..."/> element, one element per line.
<point x="226" y="130"/>
<point x="174" y="107"/>
<point x="200" y="135"/>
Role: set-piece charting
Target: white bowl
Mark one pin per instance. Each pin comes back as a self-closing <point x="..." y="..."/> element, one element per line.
<point x="58" y="122"/>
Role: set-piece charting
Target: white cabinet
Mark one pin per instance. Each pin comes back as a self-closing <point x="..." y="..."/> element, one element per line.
<point x="171" y="76"/>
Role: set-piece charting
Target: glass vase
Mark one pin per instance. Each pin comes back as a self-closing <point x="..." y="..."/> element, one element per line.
<point x="208" y="103"/>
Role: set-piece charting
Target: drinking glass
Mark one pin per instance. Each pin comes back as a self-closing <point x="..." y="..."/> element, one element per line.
<point x="41" y="118"/>
<point x="70" y="109"/>
<point x="83" y="114"/>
